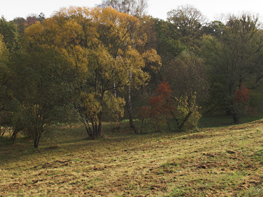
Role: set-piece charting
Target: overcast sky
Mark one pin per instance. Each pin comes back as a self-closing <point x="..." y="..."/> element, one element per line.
<point x="212" y="9"/>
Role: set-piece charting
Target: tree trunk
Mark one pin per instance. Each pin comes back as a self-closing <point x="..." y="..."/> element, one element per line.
<point x="36" y="142"/>
<point x="185" y="119"/>
<point x="87" y="126"/>
<point x="99" y="127"/>
<point x="37" y="137"/>
<point x="129" y="105"/>
<point x="228" y="111"/>
<point x="15" y="132"/>
<point x="234" y="113"/>
<point x="235" y="117"/>
<point x="114" y="89"/>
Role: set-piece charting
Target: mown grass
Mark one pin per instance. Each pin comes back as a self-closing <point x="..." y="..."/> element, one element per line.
<point x="216" y="161"/>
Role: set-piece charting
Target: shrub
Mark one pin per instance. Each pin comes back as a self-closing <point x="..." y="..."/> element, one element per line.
<point x="164" y="110"/>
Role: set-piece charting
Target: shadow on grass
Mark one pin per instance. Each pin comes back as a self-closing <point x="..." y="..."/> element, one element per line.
<point x="220" y="120"/>
<point x="56" y="141"/>
<point x="11" y="151"/>
<point x="70" y="139"/>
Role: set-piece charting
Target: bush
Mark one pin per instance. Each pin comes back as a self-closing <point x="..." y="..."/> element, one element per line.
<point x="165" y="111"/>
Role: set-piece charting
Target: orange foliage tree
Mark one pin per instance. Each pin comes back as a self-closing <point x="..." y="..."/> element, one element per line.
<point x="161" y="104"/>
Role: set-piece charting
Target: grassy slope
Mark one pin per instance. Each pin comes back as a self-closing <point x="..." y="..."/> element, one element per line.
<point x="222" y="161"/>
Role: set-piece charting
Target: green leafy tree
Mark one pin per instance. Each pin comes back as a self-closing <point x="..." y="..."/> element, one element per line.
<point x="188" y="77"/>
<point x="4" y="73"/>
<point x="214" y="28"/>
<point x="233" y="58"/>
<point x="9" y="33"/>
<point x="5" y="81"/>
<point x="189" y="22"/>
<point x="40" y="86"/>
<point x="169" y="45"/>
<point x="133" y="7"/>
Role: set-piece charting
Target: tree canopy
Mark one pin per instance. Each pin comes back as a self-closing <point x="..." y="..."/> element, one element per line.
<point x="108" y="62"/>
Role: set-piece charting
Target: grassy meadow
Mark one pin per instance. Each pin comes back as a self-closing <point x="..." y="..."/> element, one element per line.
<point x="215" y="161"/>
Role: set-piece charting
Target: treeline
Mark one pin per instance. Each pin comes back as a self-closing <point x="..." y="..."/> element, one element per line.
<point x="109" y="63"/>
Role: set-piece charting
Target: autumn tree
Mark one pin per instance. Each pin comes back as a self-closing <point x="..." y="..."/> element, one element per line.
<point x="125" y="48"/>
<point x="232" y="58"/>
<point x="241" y="101"/>
<point x="118" y="34"/>
<point x="31" y="19"/>
<point x="166" y="110"/>
<point x="122" y="36"/>
<point x="140" y="34"/>
<point x="21" y="25"/>
<point x="99" y="45"/>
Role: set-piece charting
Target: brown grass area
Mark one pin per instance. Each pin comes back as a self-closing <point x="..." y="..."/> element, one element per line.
<point x="225" y="161"/>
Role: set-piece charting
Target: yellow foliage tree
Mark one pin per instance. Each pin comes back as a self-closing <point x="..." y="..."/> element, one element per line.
<point x="101" y="46"/>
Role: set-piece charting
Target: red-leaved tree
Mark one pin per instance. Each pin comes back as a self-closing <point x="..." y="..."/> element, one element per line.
<point x="242" y="95"/>
<point x="164" y="108"/>
<point x="161" y="104"/>
<point x="241" y="103"/>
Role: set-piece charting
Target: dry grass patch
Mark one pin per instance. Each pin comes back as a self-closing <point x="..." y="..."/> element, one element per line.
<point x="225" y="161"/>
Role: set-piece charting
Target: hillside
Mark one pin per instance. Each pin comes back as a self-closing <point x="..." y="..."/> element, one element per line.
<point x="222" y="161"/>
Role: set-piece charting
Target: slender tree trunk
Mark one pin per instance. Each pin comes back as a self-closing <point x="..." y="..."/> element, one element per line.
<point x="129" y="105"/>
<point x="228" y="111"/>
<point x="38" y="132"/>
<point x="185" y="119"/>
<point x="99" y="128"/>
<point x="87" y="126"/>
<point x="235" y="117"/>
<point x="234" y="113"/>
<point x="114" y="89"/>
<point x="176" y="120"/>
<point x="15" y="132"/>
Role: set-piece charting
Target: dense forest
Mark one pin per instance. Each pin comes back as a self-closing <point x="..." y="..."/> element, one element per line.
<point x="114" y="62"/>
